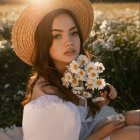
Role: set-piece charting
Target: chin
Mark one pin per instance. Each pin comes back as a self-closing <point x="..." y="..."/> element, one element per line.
<point x="68" y="60"/>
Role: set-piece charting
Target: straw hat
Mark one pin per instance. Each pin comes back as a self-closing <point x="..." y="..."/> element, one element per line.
<point x="26" y="24"/>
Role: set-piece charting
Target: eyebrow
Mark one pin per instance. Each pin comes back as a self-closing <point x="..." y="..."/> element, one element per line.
<point x="59" y="30"/>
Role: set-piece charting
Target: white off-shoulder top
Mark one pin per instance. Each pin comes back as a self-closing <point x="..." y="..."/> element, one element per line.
<point x="50" y="118"/>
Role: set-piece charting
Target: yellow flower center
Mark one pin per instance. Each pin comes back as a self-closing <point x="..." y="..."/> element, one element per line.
<point x="75" y="67"/>
<point x="100" y="68"/>
<point x="99" y="82"/>
<point x="90" y="85"/>
<point x="74" y="81"/>
<point x="68" y="77"/>
<point x="93" y="74"/>
<point x="86" y="94"/>
<point x="89" y="69"/>
<point x="83" y="62"/>
<point x="81" y="73"/>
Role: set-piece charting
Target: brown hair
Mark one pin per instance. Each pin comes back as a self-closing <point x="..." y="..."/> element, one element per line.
<point x="43" y="65"/>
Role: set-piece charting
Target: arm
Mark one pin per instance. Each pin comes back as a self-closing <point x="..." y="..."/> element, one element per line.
<point x="132" y="117"/>
<point x="47" y="119"/>
<point x="106" y="130"/>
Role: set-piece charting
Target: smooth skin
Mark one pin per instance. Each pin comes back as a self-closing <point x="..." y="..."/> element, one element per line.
<point x="66" y="41"/>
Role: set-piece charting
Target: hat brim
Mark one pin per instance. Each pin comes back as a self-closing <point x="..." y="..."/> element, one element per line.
<point x="26" y="24"/>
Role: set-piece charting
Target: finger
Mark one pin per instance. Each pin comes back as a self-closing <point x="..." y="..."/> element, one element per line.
<point x="104" y="94"/>
<point x="108" y="84"/>
<point x="116" y="122"/>
<point x="119" y="125"/>
<point x="113" y="93"/>
<point x="112" y="96"/>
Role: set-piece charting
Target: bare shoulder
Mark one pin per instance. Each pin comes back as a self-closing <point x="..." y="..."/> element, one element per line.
<point x="39" y="90"/>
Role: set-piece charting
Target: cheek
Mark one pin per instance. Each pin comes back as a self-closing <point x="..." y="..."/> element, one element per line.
<point x="53" y="52"/>
<point x="56" y="51"/>
<point x="77" y="44"/>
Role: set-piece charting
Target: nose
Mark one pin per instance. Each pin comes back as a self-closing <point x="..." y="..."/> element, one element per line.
<point x="68" y="41"/>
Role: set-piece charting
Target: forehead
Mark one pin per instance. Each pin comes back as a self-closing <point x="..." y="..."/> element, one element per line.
<point x="63" y="21"/>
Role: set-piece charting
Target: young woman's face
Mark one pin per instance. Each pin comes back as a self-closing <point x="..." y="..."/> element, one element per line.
<point x="66" y="41"/>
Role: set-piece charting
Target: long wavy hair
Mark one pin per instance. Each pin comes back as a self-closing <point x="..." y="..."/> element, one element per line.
<point x="43" y="65"/>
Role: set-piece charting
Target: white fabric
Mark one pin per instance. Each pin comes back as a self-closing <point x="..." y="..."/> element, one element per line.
<point x="15" y="133"/>
<point x="83" y="112"/>
<point x="105" y="112"/>
<point x="107" y="138"/>
<point x="12" y="133"/>
<point x="50" y="118"/>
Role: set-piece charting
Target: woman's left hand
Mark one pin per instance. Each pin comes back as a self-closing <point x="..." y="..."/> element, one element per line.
<point x="113" y="93"/>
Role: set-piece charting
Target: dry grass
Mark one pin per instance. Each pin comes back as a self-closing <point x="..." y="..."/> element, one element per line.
<point x="117" y="10"/>
<point x="106" y="10"/>
<point x="116" y="6"/>
<point x="11" y="7"/>
<point x="99" y="6"/>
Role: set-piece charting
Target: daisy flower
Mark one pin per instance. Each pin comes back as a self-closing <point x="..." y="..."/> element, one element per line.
<point x="98" y="99"/>
<point x="100" y="83"/>
<point x="90" y="67"/>
<point x="81" y="75"/>
<point x="120" y="117"/>
<point x="92" y="74"/>
<point x="74" y="67"/>
<point x="64" y="83"/>
<point x="86" y="94"/>
<point x="75" y="82"/>
<point x="89" y="84"/>
<point x="76" y="91"/>
<point x="82" y="60"/>
<point x="78" y="88"/>
<point x="99" y="67"/>
<point x="68" y="77"/>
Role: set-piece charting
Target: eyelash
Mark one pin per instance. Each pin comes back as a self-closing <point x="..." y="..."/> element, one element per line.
<point x="57" y="35"/>
<point x="75" y="32"/>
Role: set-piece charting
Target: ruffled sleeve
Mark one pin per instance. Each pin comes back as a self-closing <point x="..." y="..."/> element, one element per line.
<point x="50" y="118"/>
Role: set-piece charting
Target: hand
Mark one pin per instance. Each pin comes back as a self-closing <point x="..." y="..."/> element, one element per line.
<point x="108" y="128"/>
<point x="113" y="93"/>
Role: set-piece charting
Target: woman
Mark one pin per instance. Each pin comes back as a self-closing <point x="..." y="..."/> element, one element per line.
<point x="48" y="36"/>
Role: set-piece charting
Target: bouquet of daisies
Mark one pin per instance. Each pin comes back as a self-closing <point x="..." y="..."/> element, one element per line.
<point x="83" y="77"/>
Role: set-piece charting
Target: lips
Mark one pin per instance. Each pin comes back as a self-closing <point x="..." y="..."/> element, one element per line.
<point x="70" y="52"/>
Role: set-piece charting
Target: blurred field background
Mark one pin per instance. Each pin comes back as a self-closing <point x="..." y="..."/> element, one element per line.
<point x="115" y="40"/>
<point x="113" y="9"/>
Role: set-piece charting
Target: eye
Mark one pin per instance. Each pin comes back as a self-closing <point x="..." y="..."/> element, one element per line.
<point x="57" y="36"/>
<point x="75" y="33"/>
